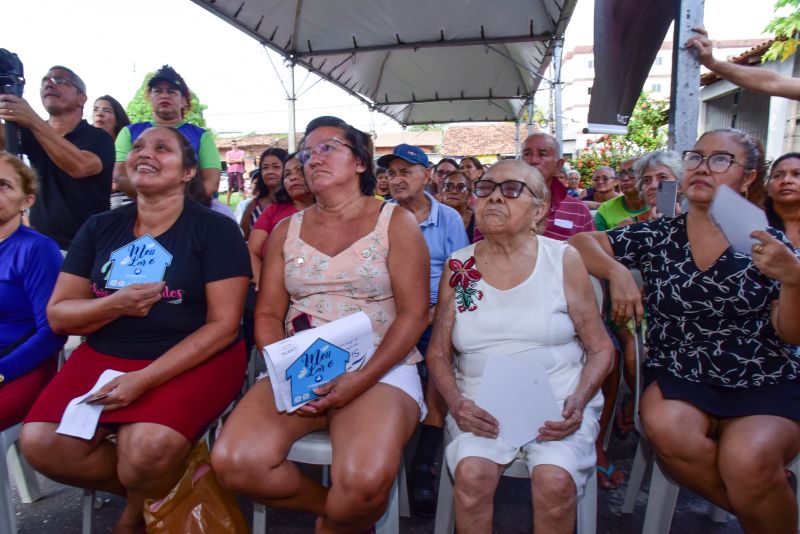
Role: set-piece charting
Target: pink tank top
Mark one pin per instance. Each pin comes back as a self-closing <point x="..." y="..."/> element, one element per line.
<point x="326" y="288"/>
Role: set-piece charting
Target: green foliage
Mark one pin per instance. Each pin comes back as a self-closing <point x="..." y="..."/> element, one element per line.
<point x="539" y="116"/>
<point x="425" y="128"/>
<point x="787" y="29"/>
<point x="647" y="131"/>
<point x="139" y="109"/>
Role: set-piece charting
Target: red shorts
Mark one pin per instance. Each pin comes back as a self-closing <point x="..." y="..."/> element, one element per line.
<point x="17" y="396"/>
<point x="187" y="403"/>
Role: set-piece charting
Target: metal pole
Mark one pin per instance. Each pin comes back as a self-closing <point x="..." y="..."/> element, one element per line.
<point x="292" y="99"/>
<point x="517" y="141"/>
<point x="557" y="113"/>
<point x="684" y="109"/>
<point x="530" y="115"/>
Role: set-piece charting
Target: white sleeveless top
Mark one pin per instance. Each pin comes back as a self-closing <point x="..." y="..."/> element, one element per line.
<point x="532" y="315"/>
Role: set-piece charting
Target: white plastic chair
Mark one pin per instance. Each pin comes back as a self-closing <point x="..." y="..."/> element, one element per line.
<point x="445" y="513"/>
<point x="27" y="484"/>
<point x="315" y="449"/>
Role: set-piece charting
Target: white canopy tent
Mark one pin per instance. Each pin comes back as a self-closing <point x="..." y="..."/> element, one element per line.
<point x="418" y="62"/>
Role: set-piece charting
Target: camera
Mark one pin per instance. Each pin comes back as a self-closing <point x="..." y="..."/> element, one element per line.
<point x="12" y="82"/>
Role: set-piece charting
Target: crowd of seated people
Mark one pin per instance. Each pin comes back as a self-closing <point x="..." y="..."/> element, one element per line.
<point x="441" y="258"/>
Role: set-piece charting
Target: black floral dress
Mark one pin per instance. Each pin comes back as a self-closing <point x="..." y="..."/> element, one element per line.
<point x="710" y="338"/>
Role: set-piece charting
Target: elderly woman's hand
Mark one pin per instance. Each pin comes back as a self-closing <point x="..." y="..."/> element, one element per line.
<point x="472" y="418"/>
<point x="626" y="297"/>
<point x="775" y="259"/>
<point x="573" y="417"/>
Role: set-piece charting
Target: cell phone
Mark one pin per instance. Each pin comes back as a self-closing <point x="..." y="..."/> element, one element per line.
<point x="666" y="197"/>
<point x="300" y="323"/>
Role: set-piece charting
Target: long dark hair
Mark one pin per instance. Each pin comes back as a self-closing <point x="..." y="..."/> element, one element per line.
<point x="773" y="218"/>
<point x="121" y="119"/>
<point x="360" y="144"/>
<point x="282" y="155"/>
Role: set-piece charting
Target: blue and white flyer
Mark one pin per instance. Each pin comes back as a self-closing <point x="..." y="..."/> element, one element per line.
<point x="311" y="358"/>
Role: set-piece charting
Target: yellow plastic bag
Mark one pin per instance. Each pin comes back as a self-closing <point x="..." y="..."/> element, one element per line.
<point x="197" y="504"/>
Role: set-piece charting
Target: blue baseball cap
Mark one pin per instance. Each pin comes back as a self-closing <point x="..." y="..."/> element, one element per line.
<point x="408" y="153"/>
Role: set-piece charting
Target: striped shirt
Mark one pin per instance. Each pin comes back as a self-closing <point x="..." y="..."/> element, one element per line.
<point x="567" y="216"/>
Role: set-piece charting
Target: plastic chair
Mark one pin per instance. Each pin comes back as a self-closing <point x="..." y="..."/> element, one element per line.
<point x="27" y="484"/>
<point x="445" y="513"/>
<point x="315" y="449"/>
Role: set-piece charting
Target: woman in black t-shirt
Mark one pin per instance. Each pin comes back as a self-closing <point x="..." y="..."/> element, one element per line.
<point x="157" y="288"/>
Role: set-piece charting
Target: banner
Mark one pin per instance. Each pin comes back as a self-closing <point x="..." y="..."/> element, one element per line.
<point x="627" y="37"/>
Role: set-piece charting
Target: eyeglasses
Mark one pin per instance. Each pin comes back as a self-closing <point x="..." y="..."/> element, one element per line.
<point x="459" y="188"/>
<point x="509" y="188"/>
<point x="322" y="150"/>
<point x="58" y="80"/>
<point x="718" y="162"/>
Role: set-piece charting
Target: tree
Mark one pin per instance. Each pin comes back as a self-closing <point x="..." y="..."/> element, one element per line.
<point x="139" y="109"/>
<point x="786" y="29"/>
<point x="647" y="131"/>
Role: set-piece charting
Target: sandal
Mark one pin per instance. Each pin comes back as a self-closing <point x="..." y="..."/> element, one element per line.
<point x="606" y="478"/>
<point x="623" y="420"/>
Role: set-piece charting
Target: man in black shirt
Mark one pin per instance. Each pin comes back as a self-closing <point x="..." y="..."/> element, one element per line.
<point x="73" y="159"/>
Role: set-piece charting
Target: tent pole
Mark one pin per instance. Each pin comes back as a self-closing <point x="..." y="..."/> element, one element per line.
<point x="292" y="98"/>
<point x="684" y="108"/>
<point x="530" y="116"/>
<point x="517" y="141"/>
<point x="557" y="113"/>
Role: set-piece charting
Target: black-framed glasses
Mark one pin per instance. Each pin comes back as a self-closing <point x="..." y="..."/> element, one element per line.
<point x="509" y="188"/>
<point x="718" y="162"/>
<point x="322" y="150"/>
<point x="449" y="187"/>
<point x="626" y="174"/>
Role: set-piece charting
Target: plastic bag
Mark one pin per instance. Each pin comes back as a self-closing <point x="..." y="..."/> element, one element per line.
<point x="197" y="504"/>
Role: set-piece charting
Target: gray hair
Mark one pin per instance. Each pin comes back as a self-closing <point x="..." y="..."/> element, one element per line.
<point x="657" y="158"/>
<point x="533" y="178"/>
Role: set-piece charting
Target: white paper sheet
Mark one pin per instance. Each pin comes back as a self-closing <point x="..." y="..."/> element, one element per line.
<point x="352" y="333"/>
<point x="737" y="218"/>
<point x="518" y="394"/>
<point x="80" y="420"/>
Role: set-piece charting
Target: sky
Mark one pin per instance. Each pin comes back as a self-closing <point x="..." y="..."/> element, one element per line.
<point x="112" y="44"/>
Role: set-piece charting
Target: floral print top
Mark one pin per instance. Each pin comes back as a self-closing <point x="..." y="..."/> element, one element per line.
<point x="325" y="288"/>
<point x="709" y="326"/>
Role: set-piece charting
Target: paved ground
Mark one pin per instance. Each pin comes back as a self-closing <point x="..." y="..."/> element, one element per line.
<point x="59" y="511"/>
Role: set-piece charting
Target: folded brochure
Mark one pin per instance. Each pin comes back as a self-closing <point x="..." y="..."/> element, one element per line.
<point x="314" y="357"/>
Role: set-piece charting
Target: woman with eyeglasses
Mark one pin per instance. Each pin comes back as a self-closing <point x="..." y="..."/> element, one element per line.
<point x="347" y="252"/>
<point x="442" y="168"/>
<point x="721" y="400"/>
<point x="540" y="283"/>
<point x="456" y="193"/>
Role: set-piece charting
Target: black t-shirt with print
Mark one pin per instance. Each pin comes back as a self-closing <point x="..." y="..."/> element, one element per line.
<point x="205" y="246"/>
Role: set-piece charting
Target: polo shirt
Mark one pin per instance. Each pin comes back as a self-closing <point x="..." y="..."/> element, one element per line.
<point x="64" y="203"/>
<point x="611" y="212"/>
<point x="444" y="234"/>
<point x="567" y="215"/>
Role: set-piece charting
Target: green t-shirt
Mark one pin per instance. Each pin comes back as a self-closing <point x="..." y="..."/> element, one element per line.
<point x="207" y="157"/>
<point x="611" y="212"/>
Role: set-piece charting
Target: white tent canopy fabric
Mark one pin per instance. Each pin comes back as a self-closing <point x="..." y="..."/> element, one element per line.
<point x="418" y="62"/>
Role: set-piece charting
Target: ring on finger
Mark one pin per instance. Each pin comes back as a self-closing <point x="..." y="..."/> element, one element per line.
<point x="758" y="249"/>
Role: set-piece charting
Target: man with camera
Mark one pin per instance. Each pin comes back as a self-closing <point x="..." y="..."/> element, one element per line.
<point x="74" y="160"/>
<point x="171" y="100"/>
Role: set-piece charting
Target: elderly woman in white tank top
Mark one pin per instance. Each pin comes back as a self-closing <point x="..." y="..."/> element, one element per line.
<point x="513" y="292"/>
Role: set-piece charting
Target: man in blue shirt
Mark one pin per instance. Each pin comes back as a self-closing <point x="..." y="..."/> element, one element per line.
<point x="444" y="233"/>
